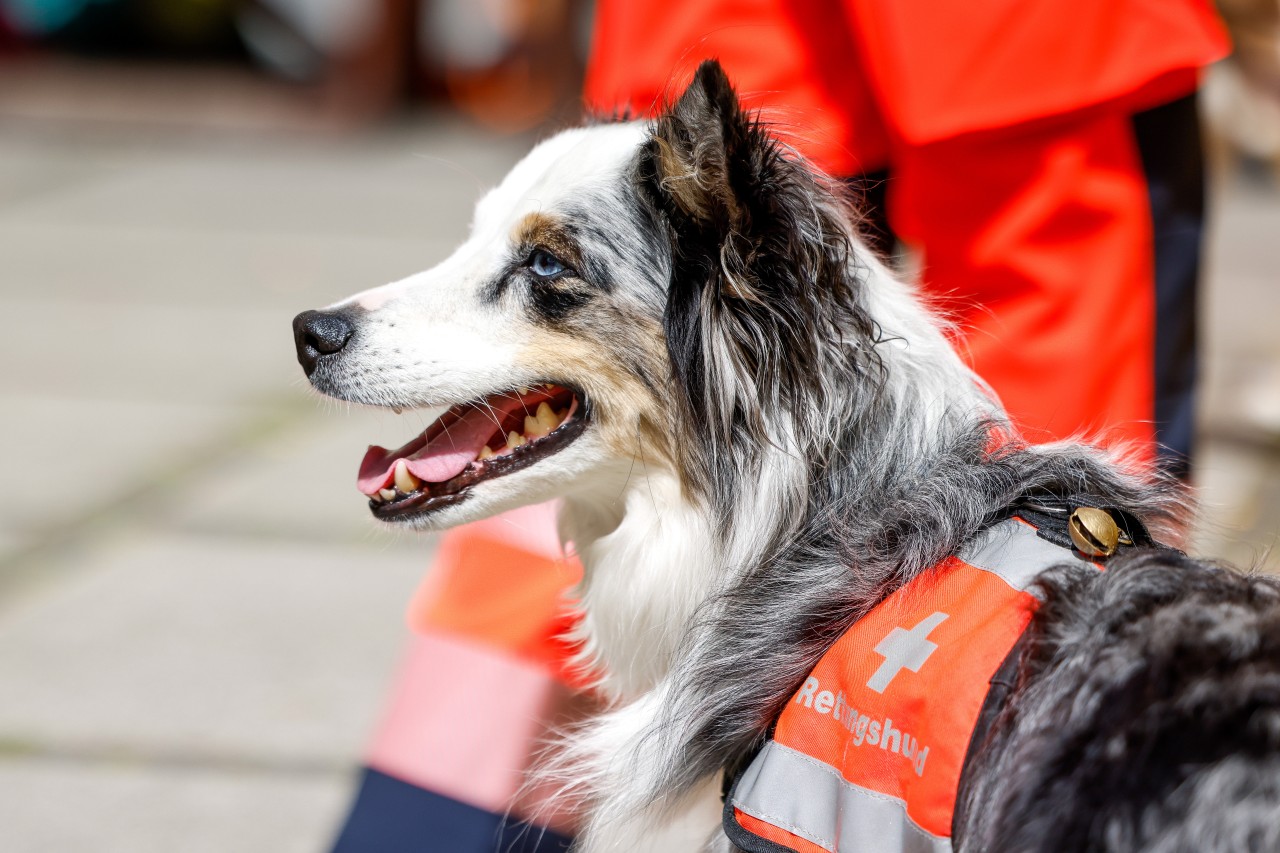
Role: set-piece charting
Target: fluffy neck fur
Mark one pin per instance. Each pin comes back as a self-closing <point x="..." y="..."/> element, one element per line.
<point x="649" y="561"/>
<point x="654" y="557"/>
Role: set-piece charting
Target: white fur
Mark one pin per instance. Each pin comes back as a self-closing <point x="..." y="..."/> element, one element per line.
<point x="652" y="560"/>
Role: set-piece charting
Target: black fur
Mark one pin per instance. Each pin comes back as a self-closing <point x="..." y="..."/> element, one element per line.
<point x="760" y="277"/>
<point x="555" y="301"/>
<point x="1147" y="716"/>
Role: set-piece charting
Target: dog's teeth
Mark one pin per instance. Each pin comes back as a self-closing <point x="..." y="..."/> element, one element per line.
<point x="514" y="439"/>
<point x="541" y="423"/>
<point x="405" y="481"/>
<point x="522" y="391"/>
<point x="387" y="494"/>
<point x="485" y="453"/>
<point x="547" y="418"/>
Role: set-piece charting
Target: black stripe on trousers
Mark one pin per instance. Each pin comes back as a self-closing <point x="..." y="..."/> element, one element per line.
<point x="1168" y="140"/>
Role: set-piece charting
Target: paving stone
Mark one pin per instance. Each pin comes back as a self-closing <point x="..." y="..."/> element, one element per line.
<point x="95" y="349"/>
<point x="1238" y="489"/>
<point x="1244" y="220"/>
<point x="10" y="541"/>
<point x="1240" y="296"/>
<point x="23" y="178"/>
<point x="207" y="647"/>
<point x="1238" y="316"/>
<point x="69" y="807"/>
<point x="63" y="457"/>
<point x="282" y="191"/>
<point x="127" y="266"/>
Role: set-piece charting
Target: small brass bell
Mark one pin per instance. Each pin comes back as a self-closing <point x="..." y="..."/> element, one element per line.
<point x="1093" y="531"/>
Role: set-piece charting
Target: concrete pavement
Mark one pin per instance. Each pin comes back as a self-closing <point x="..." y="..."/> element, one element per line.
<point x="197" y="619"/>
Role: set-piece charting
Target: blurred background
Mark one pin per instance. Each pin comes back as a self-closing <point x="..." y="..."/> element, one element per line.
<point x="197" y="619"/>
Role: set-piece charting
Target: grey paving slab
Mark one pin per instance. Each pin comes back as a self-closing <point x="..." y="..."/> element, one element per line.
<point x="209" y="649"/>
<point x="1238" y="489"/>
<point x="300" y="483"/>
<point x="192" y="268"/>
<point x="23" y="178"/>
<point x="96" y="349"/>
<point x="10" y="541"/>
<point x="277" y="190"/>
<point x="1241" y="397"/>
<point x="1244" y="222"/>
<point x="61" y="807"/>
<point x="438" y="135"/>
<point x="64" y="456"/>
<point x="1241" y="297"/>
<point x="1239" y="314"/>
<point x="1260" y="399"/>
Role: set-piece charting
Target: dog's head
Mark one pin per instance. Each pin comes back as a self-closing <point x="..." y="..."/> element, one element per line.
<point x="636" y="294"/>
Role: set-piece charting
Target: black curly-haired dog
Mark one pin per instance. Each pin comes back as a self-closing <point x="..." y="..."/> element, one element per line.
<point x="758" y="435"/>
<point x="1146" y="716"/>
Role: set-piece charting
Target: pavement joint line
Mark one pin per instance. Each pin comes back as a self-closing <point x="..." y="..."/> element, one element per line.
<point x="108" y="229"/>
<point x="151" y="757"/>
<point x="224" y="230"/>
<point x="35" y="560"/>
<point x="374" y="538"/>
<point x="1262" y="441"/>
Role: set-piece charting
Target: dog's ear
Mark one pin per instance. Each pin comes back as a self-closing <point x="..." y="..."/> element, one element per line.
<point x="705" y="152"/>
<point x="762" y="293"/>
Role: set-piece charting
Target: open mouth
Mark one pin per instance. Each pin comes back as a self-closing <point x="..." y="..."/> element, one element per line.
<point x="469" y="444"/>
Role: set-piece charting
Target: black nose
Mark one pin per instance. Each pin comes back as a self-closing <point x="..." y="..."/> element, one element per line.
<point x="319" y="333"/>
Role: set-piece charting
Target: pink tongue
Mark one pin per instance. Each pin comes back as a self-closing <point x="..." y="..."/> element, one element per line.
<point x="444" y="457"/>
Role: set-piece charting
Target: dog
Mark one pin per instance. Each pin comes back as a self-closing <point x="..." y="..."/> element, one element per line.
<point x="758" y="434"/>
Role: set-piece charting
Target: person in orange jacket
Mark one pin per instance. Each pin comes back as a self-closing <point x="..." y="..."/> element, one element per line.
<point x="1044" y="161"/>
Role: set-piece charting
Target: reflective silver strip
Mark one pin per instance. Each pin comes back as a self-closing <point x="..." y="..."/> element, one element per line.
<point x="792" y="791"/>
<point x="1014" y="552"/>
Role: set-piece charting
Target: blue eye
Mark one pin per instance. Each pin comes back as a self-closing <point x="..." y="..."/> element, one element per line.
<point x="545" y="264"/>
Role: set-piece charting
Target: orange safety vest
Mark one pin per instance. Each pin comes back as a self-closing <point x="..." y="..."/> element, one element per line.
<point x="867" y="755"/>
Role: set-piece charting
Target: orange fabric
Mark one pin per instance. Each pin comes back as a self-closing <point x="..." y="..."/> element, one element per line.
<point x="501" y="595"/>
<point x="462" y="722"/>
<point x="776" y="834"/>
<point x="942" y="68"/>
<point x="1039" y="244"/>
<point x="984" y="618"/>
<point x="797" y="62"/>
<point x="846" y="75"/>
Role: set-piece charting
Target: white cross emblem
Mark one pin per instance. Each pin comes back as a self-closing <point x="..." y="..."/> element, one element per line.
<point x="903" y="649"/>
